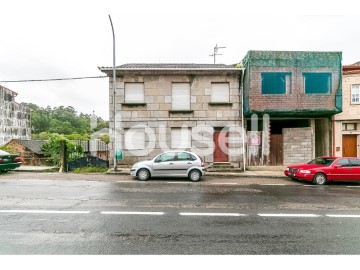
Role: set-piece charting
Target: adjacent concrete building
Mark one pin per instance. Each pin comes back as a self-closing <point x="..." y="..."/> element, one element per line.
<point x="347" y="123"/>
<point x="176" y="106"/>
<point x="289" y="99"/>
<point x="14" y="117"/>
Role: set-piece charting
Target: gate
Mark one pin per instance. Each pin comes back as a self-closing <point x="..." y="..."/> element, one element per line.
<point x="87" y="161"/>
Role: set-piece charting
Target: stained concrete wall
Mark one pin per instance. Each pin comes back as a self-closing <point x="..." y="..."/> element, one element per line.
<point x="14" y="118"/>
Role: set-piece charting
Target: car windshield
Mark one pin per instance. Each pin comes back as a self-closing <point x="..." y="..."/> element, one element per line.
<point x="322" y="161"/>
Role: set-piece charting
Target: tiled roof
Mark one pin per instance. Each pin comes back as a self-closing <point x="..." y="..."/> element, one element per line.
<point x="33" y="145"/>
<point x="175" y="66"/>
<point x="355" y="64"/>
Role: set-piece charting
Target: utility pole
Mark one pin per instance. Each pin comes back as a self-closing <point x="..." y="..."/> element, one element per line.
<point x="114" y="94"/>
<point x="216" y="49"/>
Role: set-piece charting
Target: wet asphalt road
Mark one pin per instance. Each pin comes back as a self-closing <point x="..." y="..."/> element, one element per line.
<point x="50" y="213"/>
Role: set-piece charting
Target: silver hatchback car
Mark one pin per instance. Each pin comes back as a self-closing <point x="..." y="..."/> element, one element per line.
<point x="170" y="164"/>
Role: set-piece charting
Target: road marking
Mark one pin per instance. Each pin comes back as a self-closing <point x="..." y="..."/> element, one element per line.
<point x="354" y="186"/>
<point x="44" y="212"/>
<point x="272" y="184"/>
<point x="344" y="216"/>
<point x="289" y="215"/>
<point x="131" y="213"/>
<point x="211" y="214"/>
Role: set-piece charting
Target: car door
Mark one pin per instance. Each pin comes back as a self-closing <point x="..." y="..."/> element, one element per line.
<point x="164" y="164"/>
<point x="355" y="168"/>
<point x="184" y="161"/>
<point x="341" y="170"/>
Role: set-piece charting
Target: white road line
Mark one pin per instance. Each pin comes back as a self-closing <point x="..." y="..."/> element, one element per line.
<point x="272" y="184"/>
<point x="44" y="212"/>
<point x="289" y="215"/>
<point x="131" y="213"/>
<point x="354" y="186"/>
<point x="344" y="216"/>
<point x="212" y="214"/>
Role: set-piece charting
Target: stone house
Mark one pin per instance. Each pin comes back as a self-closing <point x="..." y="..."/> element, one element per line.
<point x="347" y="123"/>
<point x="159" y="107"/>
<point x="29" y="150"/>
<point x="289" y="99"/>
<point x="14" y="117"/>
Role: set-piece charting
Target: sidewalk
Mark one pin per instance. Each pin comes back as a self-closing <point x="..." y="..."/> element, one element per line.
<point x="254" y="172"/>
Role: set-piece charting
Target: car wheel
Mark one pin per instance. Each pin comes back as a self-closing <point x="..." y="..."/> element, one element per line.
<point x="319" y="179"/>
<point x="194" y="175"/>
<point x="143" y="174"/>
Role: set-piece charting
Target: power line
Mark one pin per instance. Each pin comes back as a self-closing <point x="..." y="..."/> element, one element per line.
<point x="59" y="79"/>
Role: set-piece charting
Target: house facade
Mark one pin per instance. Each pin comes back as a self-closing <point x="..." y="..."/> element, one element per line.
<point x="14" y="117"/>
<point x="176" y="106"/>
<point x="347" y="123"/>
<point x="289" y="99"/>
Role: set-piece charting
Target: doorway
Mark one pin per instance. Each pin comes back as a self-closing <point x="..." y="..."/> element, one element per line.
<point x="221" y="146"/>
<point x="349" y="148"/>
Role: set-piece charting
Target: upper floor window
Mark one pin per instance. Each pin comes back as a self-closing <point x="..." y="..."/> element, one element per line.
<point x="180" y="96"/>
<point x="134" y="93"/>
<point x="317" y="83"/>
<point x="220" y="92"/>
<point x="355" y="94"/>
<point x="275" y="83"/>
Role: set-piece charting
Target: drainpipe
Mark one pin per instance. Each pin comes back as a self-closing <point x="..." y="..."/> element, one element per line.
<point x="242" y="116"/>
<point x="114" y="95"/>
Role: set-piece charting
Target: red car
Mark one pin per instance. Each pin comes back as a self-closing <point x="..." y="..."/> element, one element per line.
<point x="323" y="169"/>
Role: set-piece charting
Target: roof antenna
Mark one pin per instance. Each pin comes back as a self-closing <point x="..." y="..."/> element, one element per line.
<point x="216" y="49"/>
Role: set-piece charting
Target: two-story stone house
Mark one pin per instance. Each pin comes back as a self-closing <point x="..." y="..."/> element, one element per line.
<point x="176" y="106"/>
<point x="347" y="123"/>
<point x="289" y="99"/>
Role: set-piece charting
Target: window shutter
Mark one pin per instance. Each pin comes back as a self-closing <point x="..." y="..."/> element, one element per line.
<point x="180" y="138"/>
<point x="180" y="96"/>
<point x="135" y="139"/>
<point x="134" y="93"/>
<point x="220" y="92"/>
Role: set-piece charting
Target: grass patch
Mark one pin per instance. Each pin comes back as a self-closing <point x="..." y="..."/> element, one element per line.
<point x="91" y="170"/>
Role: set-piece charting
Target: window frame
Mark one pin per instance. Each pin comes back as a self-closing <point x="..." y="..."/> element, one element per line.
<point x="352" y="94"/>
<point x="136" y="146"/>
<point x="307" y="76"/>
<point x="287" y="89"/>
<point x="175" y="141"/>
<point x="126" y="93"/>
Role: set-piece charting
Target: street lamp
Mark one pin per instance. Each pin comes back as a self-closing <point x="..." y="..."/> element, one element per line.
<point x="114" y="94"/>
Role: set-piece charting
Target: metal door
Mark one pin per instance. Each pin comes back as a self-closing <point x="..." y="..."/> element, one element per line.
<point x="221" y="146"/>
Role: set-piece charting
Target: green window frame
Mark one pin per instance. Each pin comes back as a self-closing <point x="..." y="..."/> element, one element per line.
<point x="317" y="82"/>
<point x="277" y="83"/>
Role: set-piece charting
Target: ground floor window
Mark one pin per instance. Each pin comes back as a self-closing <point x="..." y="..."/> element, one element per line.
<point x="180" y="138"/>
<point x="134" y="139"/>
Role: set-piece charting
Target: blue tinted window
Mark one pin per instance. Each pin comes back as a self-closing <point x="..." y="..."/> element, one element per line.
<point x="317" y="83"/>
<point x="275" y="83"/>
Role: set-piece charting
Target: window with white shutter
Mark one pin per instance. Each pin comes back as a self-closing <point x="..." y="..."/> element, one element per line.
<point x="180" y="96"/>
<point x="355" y="94"/>
<point x="180" y="138"/>
<point x="134" y="93"/>
<point x="135" y="138"/>
<point x="220" y="92"/>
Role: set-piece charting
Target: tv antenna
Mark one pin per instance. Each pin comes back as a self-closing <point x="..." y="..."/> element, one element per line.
<point x="216" y="49"/>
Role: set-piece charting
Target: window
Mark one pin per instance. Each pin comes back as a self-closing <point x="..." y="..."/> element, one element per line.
<point x="343" y="162"/>
<point x="180" y="138"/>
<point x="355" y="94"/>
<point x="185" y="156"/>
<point x="317" y="83"/>
<point x="355" y="162"/>
<point x="166" y="157"/>
<point x="220" y="92"/>
<point x="134" y="93"/>
<point x="275" y="83"/>
<point x="135" y="139"/>
<point x="348" y="126"/>
<point x="180" y="96"/>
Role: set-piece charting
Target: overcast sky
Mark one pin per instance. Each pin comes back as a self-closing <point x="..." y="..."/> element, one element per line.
<point x="61" y="39"/>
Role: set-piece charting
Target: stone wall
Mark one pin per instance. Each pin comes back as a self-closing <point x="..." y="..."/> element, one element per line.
<point x="156" y="114"/>
<point x="298" y="145"/>
<point x="14" y="118"/>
